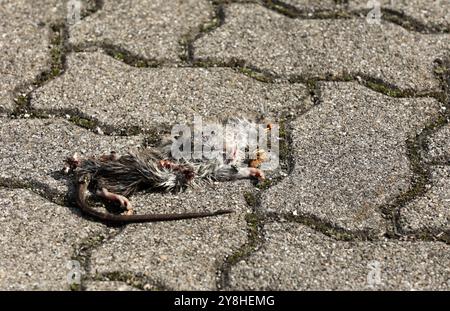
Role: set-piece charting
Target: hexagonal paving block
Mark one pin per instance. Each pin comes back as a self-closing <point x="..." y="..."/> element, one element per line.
<point x="37" y="240"/>
<point x="438" y="145"/>
<point x="120" y="95"/>
<point x="434" y="14"/>
<point x="295" y="257"/>
<point x="182" y="255"/>
<point x="350" y="156"/>
<point x="149" y="28"/>
<point x="430" y="212"/>
<point x="33" y="152"/>
<point x="312" y="6"/>
<point x="24" y="43"/>
<point x="108" y="286"/>
<point x="324" y="48"/>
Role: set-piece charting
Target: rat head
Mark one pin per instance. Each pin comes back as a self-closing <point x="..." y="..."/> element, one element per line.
<point x="71" y="163"/>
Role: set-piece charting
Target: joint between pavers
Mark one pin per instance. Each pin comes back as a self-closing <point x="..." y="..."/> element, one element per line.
<point x="331" y="230"/>
<point x="186" y="42"/>
<point x="255" y="240"/>
<point x="82" y="253"/>
<point x="137" y="280"/>
<point x="118" y="53"/>
<point x="428" y="235"/>
<point x="35" y="186"/>
<point x="255" y="220"/>
<point x="57" y="66"/>
<point x="97" y="6"/>
<point x="261" y="75"/>
<point x="416" y="148"/>
<point x="389" y="15"/>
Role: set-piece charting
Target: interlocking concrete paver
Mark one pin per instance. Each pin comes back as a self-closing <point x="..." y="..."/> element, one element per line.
<point x="435" y="14"/>
<point x="324" y="48"/>
<point x="355" y="207"/>
<point x="119" y="95"/>
<point x="430" y="212"/>
<point x="148" y="28"/>
<point x="296" y="257"/>
<point x="185" y="254"/>
<point x="33" y="151"/>
<point x="438" y="145"/>
<point x="350" y="156"/>
<point x="37" y="241"/>
<point x="24" y="42"/>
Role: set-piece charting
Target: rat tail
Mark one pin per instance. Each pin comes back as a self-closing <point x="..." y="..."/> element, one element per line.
<point x="83" y="184"/>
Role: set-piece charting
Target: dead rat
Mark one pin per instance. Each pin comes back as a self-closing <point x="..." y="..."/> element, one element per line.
<point x="115" y="178"/>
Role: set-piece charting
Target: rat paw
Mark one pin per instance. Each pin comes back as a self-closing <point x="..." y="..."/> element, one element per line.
<point x="128" y="212"/>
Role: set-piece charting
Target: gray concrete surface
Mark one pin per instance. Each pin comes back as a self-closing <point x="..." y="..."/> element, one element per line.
<point x="323" y="48"/>
<point x="37" y="241"/>
<point x="296" y="257"/>
<point x="156" y="96"/>
<point x="350" y="156"/>
<point x="24" y="43"/>
<point x="439" y="146"/>
<point x="430" y="211"/>
<point x="150" y="29"/>
<point x="179" y="255"/>
<point x="360" y="202"/>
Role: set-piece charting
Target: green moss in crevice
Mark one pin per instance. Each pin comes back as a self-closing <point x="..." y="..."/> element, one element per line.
<point x="285" y="147"/>
<point x="253" y="223"/>
<point x="141" y="64"/>
<point x="440" y="69"/>
<point x="265" y="184"/>
<point x="119" y="56"/>
<point x="253" y="227"/>
<point x="56" y="55"/>
<point x="210" y="25"/>
<point x="130" y="131"/>
<point x="379" y="87"/>
<point x="137" y="280"/>
<point x="250" y="198"/>
<point x="281" y="8"/>
<point x="254" y="239"/>
<point x="323" y="227"/>
<point x="83" y="122"/>
<point x="21" y="101"/>
<point x="127" y="57"/>
<point x="75" y="287"/>
<point x="259" y="76"/>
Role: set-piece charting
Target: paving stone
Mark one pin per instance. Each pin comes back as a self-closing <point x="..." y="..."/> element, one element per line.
<point x="24" y="42"/>
<point x="181" y="255"/>
<point x="148" y="28"/>
<point x="312" y="6"/>
<point x="324" y="48"/>
<point x="295" y="257"/>
<point x="108" y="286"/>
<point x="435" y="14"/>
<point x="350" y="156"/>
<point x="33" y="151"/>
<point x="430" y="212"/>
<point x="349" y="151"/>
<point x="439" y="146"/>
<point x="120" y="95"/>
<point x="37" y="239"/>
